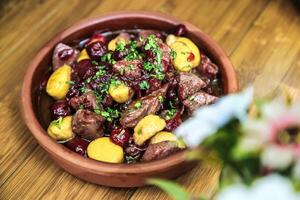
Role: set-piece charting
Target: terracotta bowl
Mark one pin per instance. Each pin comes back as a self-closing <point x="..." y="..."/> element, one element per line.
<point x="116" y="175"/>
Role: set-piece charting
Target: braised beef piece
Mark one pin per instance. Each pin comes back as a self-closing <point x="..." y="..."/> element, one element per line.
<point x="160" y="150"/>
<point x="63" y="54"/>
<point x="142" y="35"/>
<point x="166" y="54"/>
<point x="207" y="67"/>
<point x="87" y="124"/>
<point x="129" y="69"/>
<point x="173" y="120"/>
<point x="189" y="84"/>
<point x="150" y="104"/>
<point x="87" y="100"/>
<point x="197" y="100"/>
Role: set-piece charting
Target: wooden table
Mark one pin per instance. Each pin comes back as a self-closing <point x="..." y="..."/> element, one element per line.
<point x="262" y="38"/>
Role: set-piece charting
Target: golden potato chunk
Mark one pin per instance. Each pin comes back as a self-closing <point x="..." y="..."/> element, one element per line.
<point x="187" y="53"/>
<point x="83" y="56"/>
<point x="121" y="38"/>
<point x="120" y="92"/>
<point x="61" y="129"/>
<point x="102" y="149"/>
<point x="166" y="136"/>
<point x="57" y="85"/>
<point x="148" y="127"/>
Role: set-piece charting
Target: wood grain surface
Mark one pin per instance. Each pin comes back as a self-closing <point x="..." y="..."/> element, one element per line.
<point x="262" y="38"/>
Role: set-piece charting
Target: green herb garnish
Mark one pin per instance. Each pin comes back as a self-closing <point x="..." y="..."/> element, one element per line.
<point x="57" y="122"/>
<point x="70" y="82"/>
<point x="144" y="85"/>
<point x="170" y="114"/>
<point x="110" y="114"/>
<point x="161" y="99"/>
<point x="138" y="105"/>
<point x="121" y="45"/>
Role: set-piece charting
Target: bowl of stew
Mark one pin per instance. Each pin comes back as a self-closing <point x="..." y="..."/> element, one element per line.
<point x="104" y="96"/>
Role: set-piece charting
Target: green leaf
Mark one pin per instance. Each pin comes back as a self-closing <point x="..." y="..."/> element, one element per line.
<point x="144" y="85"/>
<point x="171" y="188"/>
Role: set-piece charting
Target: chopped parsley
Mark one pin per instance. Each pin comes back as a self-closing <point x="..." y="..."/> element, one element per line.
<point x="121" y="45"/>
<point x="148" y="66"/>
<point x="133" y="54"/>
<point x="115" y="82"/>
<point x="170" y="113"/>
<point x="108" y="58"/>
<point x="144" y="85"/>
<point x="57" y="122"/>
<point x="173" y="54"/>
<point x="161" y="99"/>
<point x="110" y="114"/>
<point x="151" y="44"/>
<point x="192" y="98"/>
<point x="70" y="82"/>
<point x="138" y="105"/>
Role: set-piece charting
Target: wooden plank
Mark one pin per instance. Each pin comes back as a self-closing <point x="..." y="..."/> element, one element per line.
<point x="269" y="53"/>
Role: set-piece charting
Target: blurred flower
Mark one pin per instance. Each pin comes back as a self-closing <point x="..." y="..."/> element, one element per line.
<point x="275" y="135"/>
<point x="207" y="120"/>
<point x="273" y="187"/>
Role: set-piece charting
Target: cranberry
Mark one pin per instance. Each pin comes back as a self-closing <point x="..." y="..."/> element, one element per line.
<point x="77" y="145"/>
<point x="97" y="37"/>
<point x="65" y="54"/>
<point x="96" y="49"/>
<point x="120" y="136"/>
<point x="60" y="109"/>
<point x="191" y="57"/>
<point x="173" y="123"/>
<point x="82" y="68"/>
<point x="119" y="55"/>
<point x="180" y="30"/>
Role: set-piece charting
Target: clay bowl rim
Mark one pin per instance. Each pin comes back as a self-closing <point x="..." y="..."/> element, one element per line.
<point x="61" y="152"/>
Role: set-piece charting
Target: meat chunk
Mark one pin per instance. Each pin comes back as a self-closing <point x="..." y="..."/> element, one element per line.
<point x="166" y="55"/>
<point x="160" y="150"/>
<point x="189" y="84"/>
<point x="197" y="100"/>
<point x="87" y="124"/>
<point x="63" y="54"/>
<point x="129" y="69"/>
<point x="149" y="104"/>
<point x="207" y="67"/>
<point x="87" y="100"/>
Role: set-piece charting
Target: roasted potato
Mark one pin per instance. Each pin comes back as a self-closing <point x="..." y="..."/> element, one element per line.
<point x="148" y="127"/>
<point x="187" y="53"/>
<point x="120" y="93"/>
<point x="83" y="56"/>
<point x="61" y="129"/>
<point x="102" y="149"/>
<point x="166" y="136"/>
<point x="122" y="37"/>
<point x="57" y="85"/>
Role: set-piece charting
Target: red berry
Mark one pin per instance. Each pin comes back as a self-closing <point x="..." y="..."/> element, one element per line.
<point x="96" y="49"/>
<point x="191" y="57"/>
<point x="77" y="145"/>
<point x="120" y="136"/>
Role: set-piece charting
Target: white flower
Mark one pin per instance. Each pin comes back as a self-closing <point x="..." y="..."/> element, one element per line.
<point x="296" y="170"/>
<point x="272" y="187"/>
<point x="207" y="120"/>
<point x="277" y="157"/>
